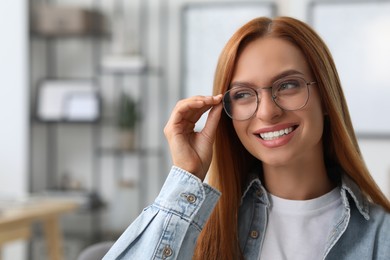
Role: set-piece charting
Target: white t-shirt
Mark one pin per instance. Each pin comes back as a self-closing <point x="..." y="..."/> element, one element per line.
<point x="299" y="229"/>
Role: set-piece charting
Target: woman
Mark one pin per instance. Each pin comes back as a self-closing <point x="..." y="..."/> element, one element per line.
<point x="288" y="178"/>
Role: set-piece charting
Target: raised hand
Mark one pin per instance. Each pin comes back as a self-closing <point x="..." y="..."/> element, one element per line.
<point x="190" y="150"/>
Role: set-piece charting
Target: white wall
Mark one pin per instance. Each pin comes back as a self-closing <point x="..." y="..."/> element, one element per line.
<point x="14" y="117"/>
<point x="376" y="153"/>
<point x="13" y="98"/>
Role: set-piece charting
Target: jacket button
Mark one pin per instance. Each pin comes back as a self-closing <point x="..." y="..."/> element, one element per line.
<point x="254" y="234"/>
<point x="167" y="251"/>
<point x="191" y="198"/>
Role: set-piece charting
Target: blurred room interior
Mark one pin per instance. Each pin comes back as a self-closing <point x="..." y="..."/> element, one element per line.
<point x="88" y="86"/>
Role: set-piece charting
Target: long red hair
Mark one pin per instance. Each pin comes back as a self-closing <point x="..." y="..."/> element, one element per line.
<point x="231" y="162"/>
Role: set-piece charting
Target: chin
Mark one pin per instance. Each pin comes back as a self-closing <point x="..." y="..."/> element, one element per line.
<point x="276" y="159"/>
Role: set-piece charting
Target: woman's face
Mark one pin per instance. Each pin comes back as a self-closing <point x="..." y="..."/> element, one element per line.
<point x="275" y="136"/>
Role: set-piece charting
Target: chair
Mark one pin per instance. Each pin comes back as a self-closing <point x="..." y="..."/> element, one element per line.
<point x="95" y="251"/>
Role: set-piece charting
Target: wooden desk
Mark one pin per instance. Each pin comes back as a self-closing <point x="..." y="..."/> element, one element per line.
<point x="16" y="221"/>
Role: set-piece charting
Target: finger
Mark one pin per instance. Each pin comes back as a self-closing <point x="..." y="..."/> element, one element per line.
<point x="183" y="118"/>
<point x="192" y="109"/>
<point x="212" y="122"/>
<point x="208" y="102"/>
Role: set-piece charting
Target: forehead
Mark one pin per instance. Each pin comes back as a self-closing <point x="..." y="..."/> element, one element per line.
<point x="265" y="58"/>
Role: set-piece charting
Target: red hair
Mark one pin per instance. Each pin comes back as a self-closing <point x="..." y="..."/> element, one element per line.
<point x="231" y="162"/>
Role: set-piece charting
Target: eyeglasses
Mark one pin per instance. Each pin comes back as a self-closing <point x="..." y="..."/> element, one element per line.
<point x="289" y="93"/>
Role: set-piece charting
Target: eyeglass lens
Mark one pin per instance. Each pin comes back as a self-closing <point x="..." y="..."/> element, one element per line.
<point x="241" y="102"/>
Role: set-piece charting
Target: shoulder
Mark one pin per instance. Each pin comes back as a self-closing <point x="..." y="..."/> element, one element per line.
<point x="375" y="223"/>
<point x="379" y="228"/>
<point x="366" y="236"/>
<point x="379" y="216"/>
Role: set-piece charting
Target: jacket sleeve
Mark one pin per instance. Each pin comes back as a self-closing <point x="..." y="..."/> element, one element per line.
<point x="169" y="228"/>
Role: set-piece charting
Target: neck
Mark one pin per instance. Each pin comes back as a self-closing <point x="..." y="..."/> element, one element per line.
<point x="303" y="180"/>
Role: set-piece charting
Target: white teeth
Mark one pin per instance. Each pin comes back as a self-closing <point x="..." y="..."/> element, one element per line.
<point x="276" y="134"/>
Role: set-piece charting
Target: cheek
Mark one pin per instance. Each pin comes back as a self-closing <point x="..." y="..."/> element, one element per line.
<point x="241" y="128"/>
<point x="245" y="136"/>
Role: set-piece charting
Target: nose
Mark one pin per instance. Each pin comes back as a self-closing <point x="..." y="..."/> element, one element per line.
<point x="267" y="109"/>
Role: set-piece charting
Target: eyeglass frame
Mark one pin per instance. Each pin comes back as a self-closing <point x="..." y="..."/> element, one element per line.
<point x="273" y="97"/>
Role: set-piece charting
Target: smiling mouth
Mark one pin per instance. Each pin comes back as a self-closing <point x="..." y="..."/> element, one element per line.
<point x="268" y="136"/>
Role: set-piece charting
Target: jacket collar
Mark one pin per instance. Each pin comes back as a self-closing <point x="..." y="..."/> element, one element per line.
<point x="348" y="189"/>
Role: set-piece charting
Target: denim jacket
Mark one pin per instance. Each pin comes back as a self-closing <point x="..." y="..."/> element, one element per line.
<point x="169" y="228"/>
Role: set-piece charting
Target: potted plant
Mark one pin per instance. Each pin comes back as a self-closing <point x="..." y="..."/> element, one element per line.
<point x="127" y="121"/>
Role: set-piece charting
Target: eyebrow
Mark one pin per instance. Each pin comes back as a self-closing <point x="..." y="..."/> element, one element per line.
<point x="285" y="74"/>
<point x="281" y="75"/>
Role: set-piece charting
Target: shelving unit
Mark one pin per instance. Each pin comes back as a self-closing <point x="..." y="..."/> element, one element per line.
<point x="53" y="185"/>
<point x="97" y="140"/>
<point x="141" y="151"/>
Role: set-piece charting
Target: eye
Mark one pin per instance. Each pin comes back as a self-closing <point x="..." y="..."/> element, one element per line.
<point x="289" y="86"/>
<point x="242" y="94"/>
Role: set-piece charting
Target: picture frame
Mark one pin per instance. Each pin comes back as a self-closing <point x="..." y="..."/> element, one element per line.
<point x="68" y="101"/>
<point x="360" y="46"/>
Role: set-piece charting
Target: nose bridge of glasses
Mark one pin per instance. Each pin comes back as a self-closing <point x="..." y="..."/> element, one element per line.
<point x="267" y="89"/>
<point x="265" y="100"/>
<point x="264" y="88"/>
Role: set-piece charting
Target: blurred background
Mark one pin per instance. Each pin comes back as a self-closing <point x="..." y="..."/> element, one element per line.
<point x="88" y="85"/>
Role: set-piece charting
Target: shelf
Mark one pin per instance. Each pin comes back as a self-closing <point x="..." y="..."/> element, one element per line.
<point x="146" y="71"/>
<point x="65" y="123"/>
<point x="106" y="151"/>
<point x="92" y="36"/>
<point x="88" y="201"/>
